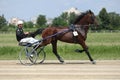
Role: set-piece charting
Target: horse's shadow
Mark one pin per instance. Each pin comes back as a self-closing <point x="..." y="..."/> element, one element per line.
<point x="65" y="63"/>
<point x="58" y="63"/>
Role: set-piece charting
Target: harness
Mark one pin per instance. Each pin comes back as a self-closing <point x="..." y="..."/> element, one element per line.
<point x="75" y="33"/>
<point x="76" y="30"/>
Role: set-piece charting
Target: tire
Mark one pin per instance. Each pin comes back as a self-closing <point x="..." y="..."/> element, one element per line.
<point x="28" y="56"/>
<point x="41" y="55"/>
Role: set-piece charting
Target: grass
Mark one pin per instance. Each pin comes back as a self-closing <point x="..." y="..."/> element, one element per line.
<point x="101" y="46"/>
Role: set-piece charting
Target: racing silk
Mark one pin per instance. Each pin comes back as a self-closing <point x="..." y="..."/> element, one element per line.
<point x="20" y="34"/>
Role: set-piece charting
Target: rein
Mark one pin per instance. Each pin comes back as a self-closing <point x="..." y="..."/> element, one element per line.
<point x="76" y="26"/>
<point x="39" y="41"/>
<point x="61" y="32"/>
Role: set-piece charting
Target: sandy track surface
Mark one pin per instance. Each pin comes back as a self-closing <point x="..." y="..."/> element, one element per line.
<point x="53" y="70"/>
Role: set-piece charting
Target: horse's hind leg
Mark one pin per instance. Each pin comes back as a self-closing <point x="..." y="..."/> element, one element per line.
<point x="54" y="47"/>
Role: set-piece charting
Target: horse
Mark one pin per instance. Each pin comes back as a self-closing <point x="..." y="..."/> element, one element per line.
<point x="81" y="25"/>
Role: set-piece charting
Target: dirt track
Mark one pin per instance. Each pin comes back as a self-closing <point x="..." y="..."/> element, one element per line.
<point x="52" y="70"/>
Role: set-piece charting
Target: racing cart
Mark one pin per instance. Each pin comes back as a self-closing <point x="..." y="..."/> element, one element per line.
<point x="30" y="53"/>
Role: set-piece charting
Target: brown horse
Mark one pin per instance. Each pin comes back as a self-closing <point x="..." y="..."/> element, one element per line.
<point x="65" y="34"/>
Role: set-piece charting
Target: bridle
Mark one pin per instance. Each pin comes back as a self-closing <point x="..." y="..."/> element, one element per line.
<point x="92" y="17"/>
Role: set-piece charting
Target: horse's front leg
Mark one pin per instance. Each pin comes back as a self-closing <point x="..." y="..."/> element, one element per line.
<point x="88" y="54"/>
<point x="54" y="48"/>
<point x="85" y="48"/>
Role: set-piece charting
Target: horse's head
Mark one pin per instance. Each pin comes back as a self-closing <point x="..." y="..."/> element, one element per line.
<point x="86" y="18"/>
<point x="91" y="19"/>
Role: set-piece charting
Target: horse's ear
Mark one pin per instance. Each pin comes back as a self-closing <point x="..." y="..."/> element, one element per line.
<point x="90" y="11"/>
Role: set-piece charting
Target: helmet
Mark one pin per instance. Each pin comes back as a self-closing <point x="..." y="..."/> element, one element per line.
<point x="19" y="22"/>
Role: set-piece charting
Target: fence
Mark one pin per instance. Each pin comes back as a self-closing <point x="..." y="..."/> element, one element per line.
<point x="90" y="31"/>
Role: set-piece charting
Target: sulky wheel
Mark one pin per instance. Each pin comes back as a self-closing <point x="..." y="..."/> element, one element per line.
<point x="28" y="56"/>
<point x="41" y="55"/>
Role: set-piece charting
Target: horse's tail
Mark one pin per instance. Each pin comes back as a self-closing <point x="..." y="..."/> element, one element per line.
<point x="37" y="32"/>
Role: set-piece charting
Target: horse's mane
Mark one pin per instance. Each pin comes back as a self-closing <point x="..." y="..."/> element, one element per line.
<point x="81" y="16"/>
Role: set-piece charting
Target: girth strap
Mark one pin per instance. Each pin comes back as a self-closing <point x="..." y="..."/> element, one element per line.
<point x="75" y="33"/>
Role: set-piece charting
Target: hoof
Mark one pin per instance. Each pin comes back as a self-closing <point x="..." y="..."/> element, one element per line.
<point x="61" y="61"/>
<point x="79" y="51"/>
<point x="41" y="62"/>
<point x="93" y="62"/>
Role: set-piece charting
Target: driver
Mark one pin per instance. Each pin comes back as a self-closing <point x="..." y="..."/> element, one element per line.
<point x="20" y="34"/>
